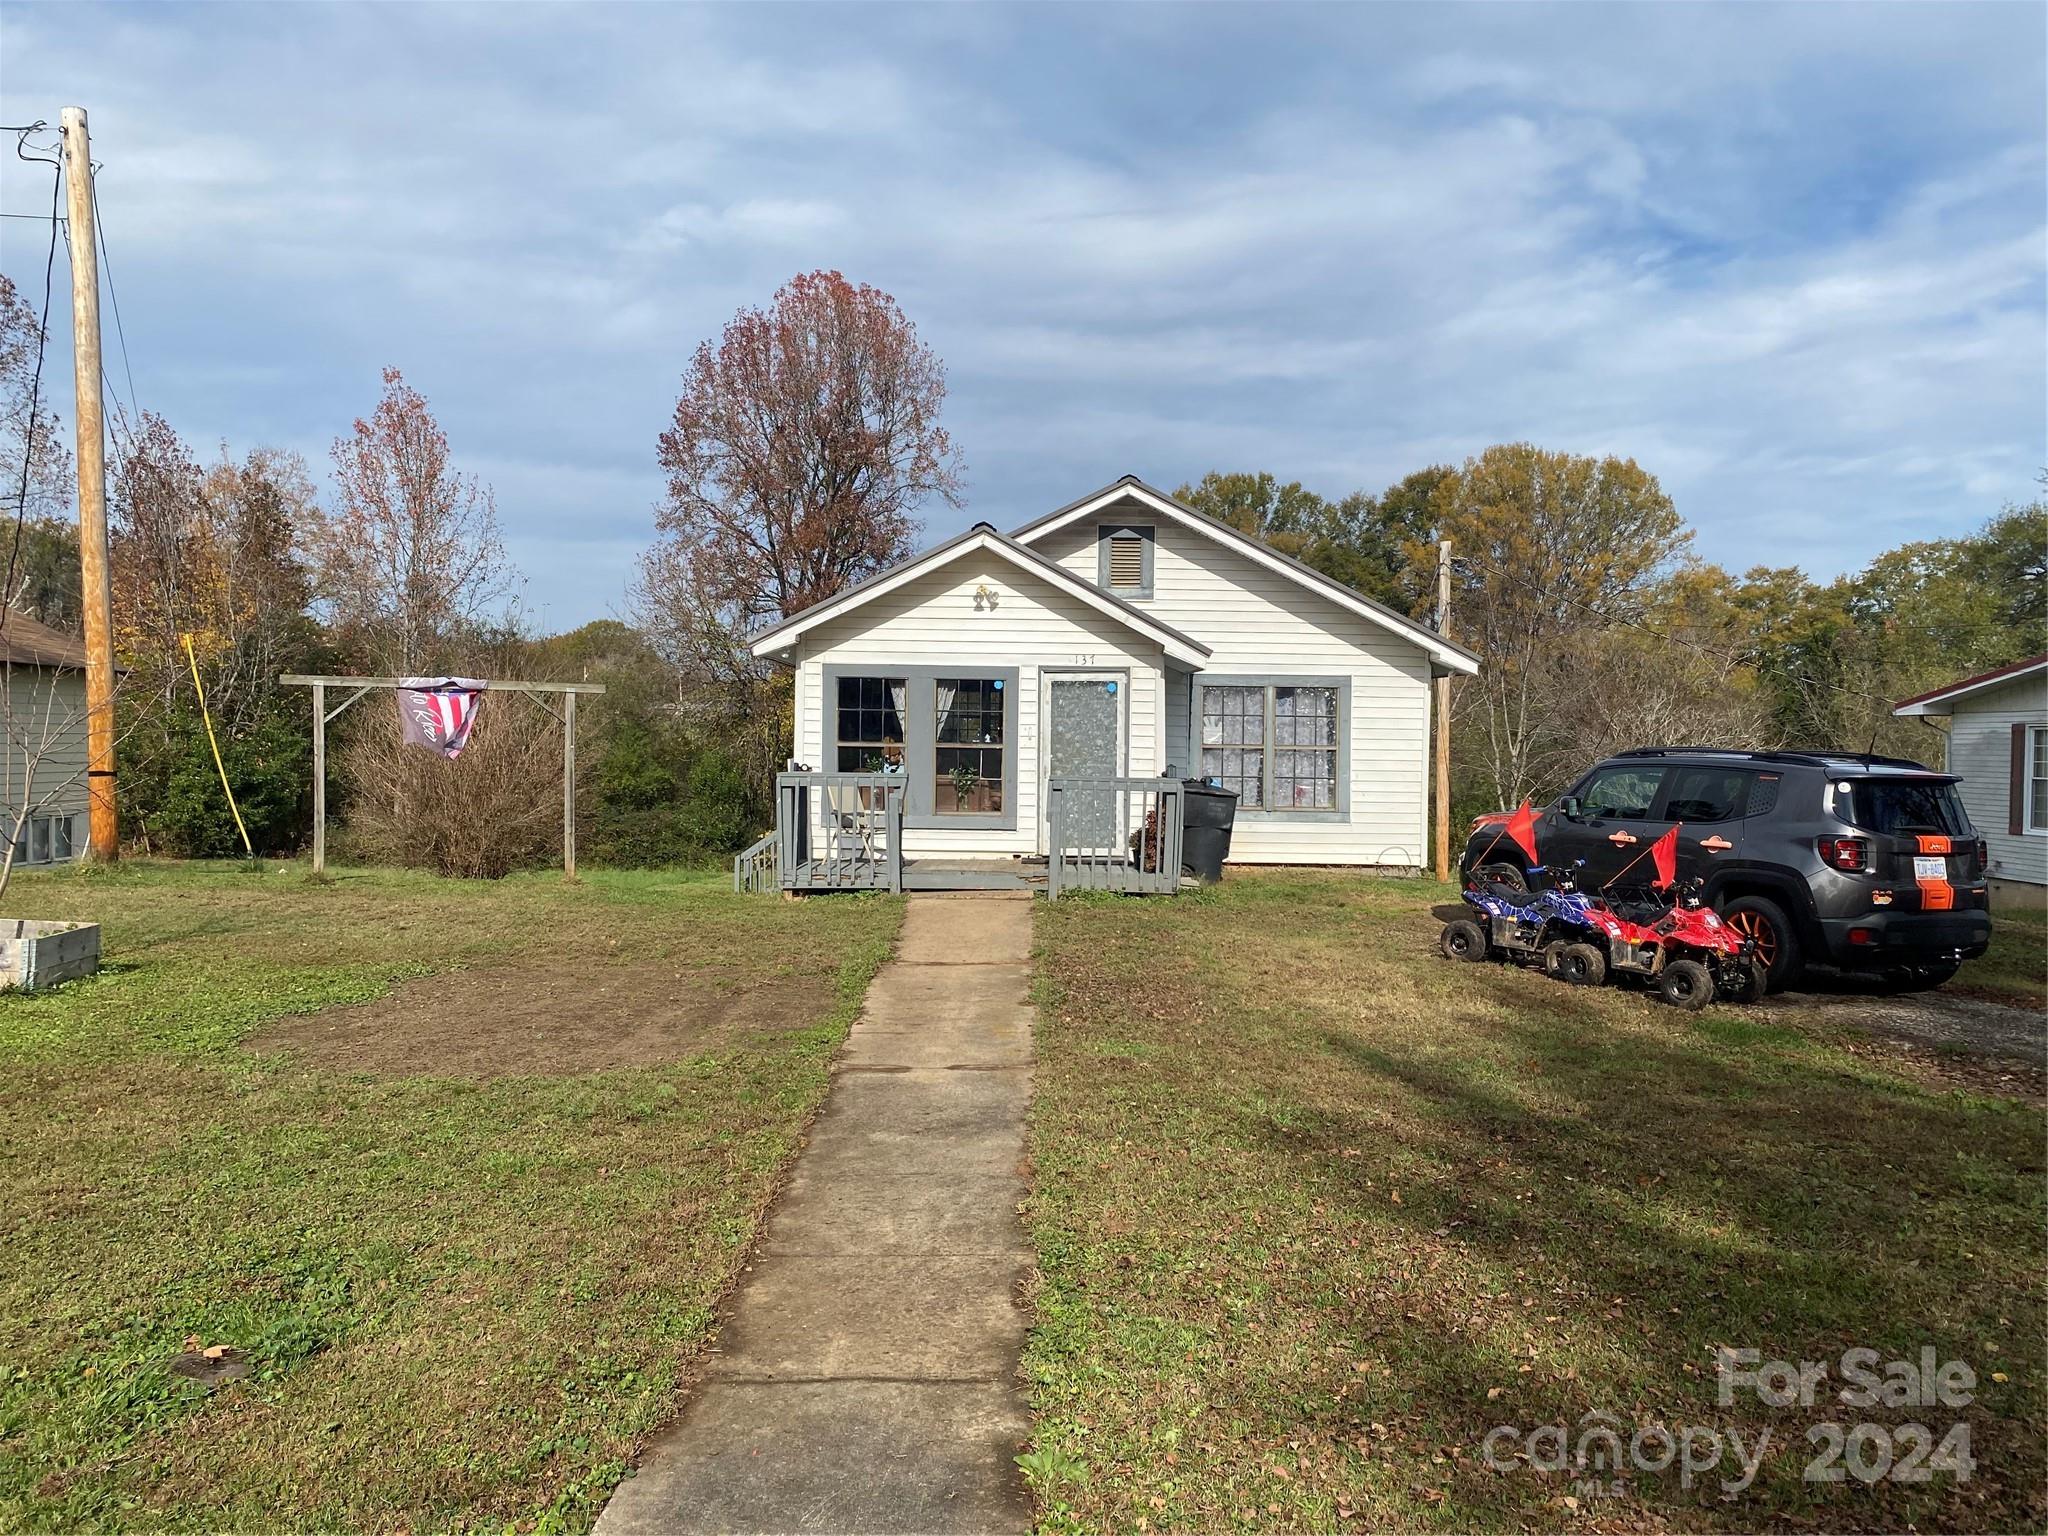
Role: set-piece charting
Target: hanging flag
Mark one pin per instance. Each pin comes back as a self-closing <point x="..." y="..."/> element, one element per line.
<point x="438" y="712"/>
<point x="1522" y="828"/>
<point x="1664" y="854"/>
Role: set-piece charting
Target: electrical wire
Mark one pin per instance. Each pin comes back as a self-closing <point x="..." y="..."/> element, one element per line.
<point x="113" y="295"/>
<point x="35" y="389"/>
<point x="1615" y="620"/>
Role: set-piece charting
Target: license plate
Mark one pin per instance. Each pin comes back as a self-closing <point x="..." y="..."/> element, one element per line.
<point x="1929" y="866"/>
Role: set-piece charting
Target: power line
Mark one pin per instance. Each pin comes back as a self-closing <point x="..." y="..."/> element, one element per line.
<point x="35" y="388"/>
<point x="107" y="265"/>
<point x="1617" y="620"/>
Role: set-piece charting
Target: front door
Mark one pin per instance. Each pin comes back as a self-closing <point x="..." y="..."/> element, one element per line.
<point x="1084" y="740"/>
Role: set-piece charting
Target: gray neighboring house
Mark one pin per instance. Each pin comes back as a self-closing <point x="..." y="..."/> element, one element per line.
<point x="1998" y="743"/>
<point x="42" y="707"/>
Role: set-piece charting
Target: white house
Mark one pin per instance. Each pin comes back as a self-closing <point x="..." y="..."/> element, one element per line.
<point x="1124" y="635"/>
<point x="1998" y="743"/>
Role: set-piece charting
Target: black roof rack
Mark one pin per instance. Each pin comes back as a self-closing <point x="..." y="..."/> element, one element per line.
<point x="1810" y="757"/>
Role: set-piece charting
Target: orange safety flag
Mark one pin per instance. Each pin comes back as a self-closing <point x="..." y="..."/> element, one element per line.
<point x="1664" y="854"/>
<point x="1522" y="828"/>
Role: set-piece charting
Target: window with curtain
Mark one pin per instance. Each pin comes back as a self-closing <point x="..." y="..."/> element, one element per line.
<point x="1276" y="745"/>
<point x="1304" y="749"/>
<point x="968" y="734"/>
<point x="868" y="725"/>
<point x="1234" y="741"/>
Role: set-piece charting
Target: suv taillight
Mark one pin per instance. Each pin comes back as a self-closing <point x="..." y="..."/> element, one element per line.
<point x="1849" y="853"/>
<point x="1983" y="855"/>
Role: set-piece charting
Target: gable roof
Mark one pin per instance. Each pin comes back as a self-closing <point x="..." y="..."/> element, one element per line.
<point x="28" y="642"/>
<point x="1942" y="701"/>
<point x="1443" y="653"/>
<point x="982" y="538"/>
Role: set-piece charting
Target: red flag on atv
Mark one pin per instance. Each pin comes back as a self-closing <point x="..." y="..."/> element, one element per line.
<point x="1664" y="854"/>
<point x="1522" y="828"/>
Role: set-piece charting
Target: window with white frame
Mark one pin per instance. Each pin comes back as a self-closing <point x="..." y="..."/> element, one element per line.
<point x="1275" y="744"/>
<point x="2037" y="779"/>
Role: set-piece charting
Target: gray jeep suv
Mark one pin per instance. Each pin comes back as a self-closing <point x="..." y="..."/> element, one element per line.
<point x="1865" y="863"/>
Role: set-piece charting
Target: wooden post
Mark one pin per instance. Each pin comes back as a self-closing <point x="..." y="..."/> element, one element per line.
<point x="319" y="778"/>
<point x="1441" y="691"/>
<point x="568" y="786"/>
<point x="94" y="570"/>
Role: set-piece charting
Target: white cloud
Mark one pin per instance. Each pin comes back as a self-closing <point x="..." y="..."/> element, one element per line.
<point x="1789" y="259"/>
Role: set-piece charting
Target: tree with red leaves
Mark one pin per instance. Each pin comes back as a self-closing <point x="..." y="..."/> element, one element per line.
<point x="803" y="443"/>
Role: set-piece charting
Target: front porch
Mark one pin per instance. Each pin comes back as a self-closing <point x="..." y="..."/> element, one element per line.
<point x="844" y="832"/>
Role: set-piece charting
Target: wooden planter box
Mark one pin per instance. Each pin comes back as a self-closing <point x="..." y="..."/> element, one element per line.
<point x="37" y="954"/>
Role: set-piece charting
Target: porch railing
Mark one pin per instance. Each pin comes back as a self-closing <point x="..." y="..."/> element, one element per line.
<point x="839" y="831"/>
<point x="1113" y="835"/>
<point x="753" y="867"/>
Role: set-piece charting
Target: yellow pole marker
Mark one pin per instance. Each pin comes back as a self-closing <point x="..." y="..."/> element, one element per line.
<point x="210" y="741"/>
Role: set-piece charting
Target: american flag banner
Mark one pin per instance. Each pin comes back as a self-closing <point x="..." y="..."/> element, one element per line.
<point x="437" y="712"/>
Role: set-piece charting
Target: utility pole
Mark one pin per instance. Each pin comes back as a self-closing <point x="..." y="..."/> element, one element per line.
<point x="92" y="488"/>
<point x="1441" y="714"/>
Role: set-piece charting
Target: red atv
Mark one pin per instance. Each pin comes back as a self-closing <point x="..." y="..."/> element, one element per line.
<point x="1683" y="949"/>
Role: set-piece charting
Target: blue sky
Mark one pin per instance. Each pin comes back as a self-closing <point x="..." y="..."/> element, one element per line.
<point x="1791" y="260"/>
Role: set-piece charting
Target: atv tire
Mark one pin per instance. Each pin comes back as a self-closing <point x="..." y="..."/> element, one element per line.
<point x="1753" y="983"/>
<point x="1578" y="965"/>
<point x="1686" y="984"/>
<point x="1462" y="940"/>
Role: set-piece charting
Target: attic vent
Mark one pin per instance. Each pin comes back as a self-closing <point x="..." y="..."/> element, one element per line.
<point x="1126" y="563"/>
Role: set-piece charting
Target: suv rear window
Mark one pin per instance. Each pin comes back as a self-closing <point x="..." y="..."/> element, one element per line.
<point x="1903" y="807"/>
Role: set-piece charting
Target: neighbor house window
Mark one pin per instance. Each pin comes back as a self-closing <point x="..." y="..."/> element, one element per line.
<point x="968" y="733"/>
<point x="869" y="724"/>
<point x="2037" y="779"/>
<point x="1276" y="745"/>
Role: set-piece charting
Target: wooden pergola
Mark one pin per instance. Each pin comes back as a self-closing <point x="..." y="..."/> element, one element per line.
<point x="362" y="685"/>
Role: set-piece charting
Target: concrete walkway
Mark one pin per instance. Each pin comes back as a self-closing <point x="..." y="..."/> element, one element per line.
<point x="866" y="1376"/>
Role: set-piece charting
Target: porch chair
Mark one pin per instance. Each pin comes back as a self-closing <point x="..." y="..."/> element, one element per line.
<point x="849" y="822"/>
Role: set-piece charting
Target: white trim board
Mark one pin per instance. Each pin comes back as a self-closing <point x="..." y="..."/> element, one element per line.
<point x="983" y="539"/>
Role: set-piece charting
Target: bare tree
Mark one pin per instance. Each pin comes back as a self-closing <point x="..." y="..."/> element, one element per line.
<point x="410" y="556"/>
<point x="1552" y="548"/>
<point x="49" y="464"/>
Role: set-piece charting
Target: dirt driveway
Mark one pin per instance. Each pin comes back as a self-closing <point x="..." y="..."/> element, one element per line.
<point x="1987" y="1044"/>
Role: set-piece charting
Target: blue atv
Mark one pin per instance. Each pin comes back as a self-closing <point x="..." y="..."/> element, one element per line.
<point x="1552" y="926"/>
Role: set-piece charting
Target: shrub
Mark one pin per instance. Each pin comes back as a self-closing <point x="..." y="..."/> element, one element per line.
<point x="719" y="815"/>
<point x="494" y="809"/>
<point x="178" y="801"/>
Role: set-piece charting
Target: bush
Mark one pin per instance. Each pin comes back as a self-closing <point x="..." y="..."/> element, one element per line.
<point x="494" y="809"/>
<point x="655" y="806"/>
<point x="177" y="799"/>
<point x="718" y="814"/>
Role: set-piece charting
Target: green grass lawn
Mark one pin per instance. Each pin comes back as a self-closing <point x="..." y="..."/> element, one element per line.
<point x="2015" y="969"/>
<point x="1316" y="1210"/>
<point x="461" y="1294"/>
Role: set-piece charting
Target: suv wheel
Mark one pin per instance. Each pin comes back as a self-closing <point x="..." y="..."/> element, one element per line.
<point x="1506" y="876"/>
<point x="1764" y="923"/>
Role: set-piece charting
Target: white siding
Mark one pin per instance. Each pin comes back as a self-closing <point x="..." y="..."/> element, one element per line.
<point x="1034" y="627"/>
<point x="1980" y="749"/>
<point x="1258" y="621"/>
<point x="44" y="719"/>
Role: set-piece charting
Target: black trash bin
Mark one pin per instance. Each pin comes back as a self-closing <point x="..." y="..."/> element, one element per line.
<point x="1207" y="815"/>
